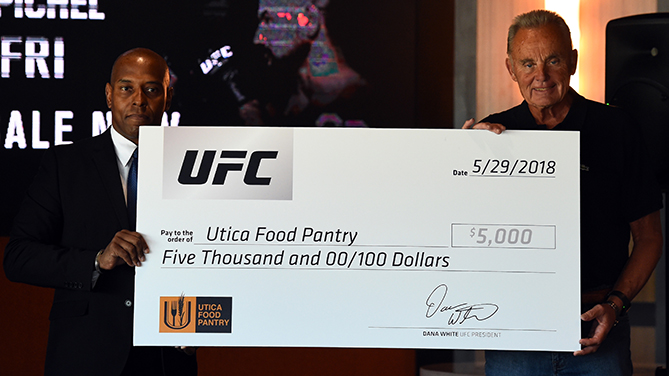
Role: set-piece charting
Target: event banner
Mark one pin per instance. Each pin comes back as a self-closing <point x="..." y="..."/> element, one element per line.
<point x="340" y="237"/>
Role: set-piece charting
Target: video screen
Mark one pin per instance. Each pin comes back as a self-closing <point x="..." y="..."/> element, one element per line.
<point x="317" y="63"/>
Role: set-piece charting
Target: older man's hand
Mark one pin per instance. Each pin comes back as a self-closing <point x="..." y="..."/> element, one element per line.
<point x="603" y="319"/>
<point x="492" y="127"/>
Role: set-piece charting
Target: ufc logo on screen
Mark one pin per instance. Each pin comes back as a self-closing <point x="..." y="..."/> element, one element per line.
<point x="229" y="161"/>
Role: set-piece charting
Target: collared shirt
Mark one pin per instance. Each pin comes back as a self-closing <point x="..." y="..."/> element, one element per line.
<point x="124" y="149"/>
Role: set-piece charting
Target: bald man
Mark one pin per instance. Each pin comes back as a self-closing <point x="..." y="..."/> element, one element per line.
<point x="74" y="234"/>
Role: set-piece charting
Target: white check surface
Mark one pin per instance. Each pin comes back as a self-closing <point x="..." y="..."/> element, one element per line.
<point x="392" y="238"/>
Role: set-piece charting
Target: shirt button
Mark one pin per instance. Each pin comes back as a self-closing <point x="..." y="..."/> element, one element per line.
<point x="128" y="303"/>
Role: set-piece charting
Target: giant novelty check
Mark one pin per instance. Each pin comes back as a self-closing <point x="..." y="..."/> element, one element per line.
<point x="390" y="238"/>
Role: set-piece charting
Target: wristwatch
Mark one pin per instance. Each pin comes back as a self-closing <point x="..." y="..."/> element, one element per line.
<point x="623" y="298"/>
<point x="97" y="262"/>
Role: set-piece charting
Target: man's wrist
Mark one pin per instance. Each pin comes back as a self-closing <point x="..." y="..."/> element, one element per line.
<point x="97" y="262"/>
<point x="624" y="301"/>
<point x="616" y="310"/>
<point x="615" y="307"/>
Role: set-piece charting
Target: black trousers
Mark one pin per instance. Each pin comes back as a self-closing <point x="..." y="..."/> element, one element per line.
<point x="159" y="361"/>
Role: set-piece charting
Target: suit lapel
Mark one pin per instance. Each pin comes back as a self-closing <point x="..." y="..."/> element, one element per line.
<point x="104" y="158"/>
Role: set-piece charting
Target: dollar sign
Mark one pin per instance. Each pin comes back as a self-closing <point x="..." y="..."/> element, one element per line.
<point x="472" y="232"/>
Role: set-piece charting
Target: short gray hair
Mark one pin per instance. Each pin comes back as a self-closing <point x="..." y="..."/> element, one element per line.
<point x="536" y="19"/>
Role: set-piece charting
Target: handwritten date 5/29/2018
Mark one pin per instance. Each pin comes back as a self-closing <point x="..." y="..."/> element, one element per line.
<point x="517" y="167"/>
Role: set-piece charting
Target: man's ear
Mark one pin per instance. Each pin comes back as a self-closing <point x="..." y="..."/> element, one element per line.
<point x="573" y="60"/>
<point x="509" y="68"/>
<point x="168" y="100"/>
<point x="108" y="94"/>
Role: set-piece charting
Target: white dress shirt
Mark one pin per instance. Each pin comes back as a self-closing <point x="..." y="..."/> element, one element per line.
<point x="124" y="149"/>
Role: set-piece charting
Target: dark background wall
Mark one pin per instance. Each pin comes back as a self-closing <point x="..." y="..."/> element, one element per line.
<point x="403" y="49"/>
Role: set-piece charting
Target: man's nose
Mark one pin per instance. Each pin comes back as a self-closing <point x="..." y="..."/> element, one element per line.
<point x="541" y="73"/>
<point x="139" y="98"/>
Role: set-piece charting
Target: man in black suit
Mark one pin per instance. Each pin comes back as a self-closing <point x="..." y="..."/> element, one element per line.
<point x="75" y="234"/>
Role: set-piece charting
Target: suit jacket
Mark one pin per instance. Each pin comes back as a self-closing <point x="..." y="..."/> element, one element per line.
<point x="73" y="209"/>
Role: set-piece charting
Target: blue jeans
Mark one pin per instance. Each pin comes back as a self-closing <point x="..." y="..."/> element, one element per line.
<point x="613" y="358"/>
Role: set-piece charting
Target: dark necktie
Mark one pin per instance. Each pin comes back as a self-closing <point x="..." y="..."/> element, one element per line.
<point x="132" y="191"/>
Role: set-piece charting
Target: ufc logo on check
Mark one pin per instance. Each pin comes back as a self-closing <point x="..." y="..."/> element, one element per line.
<point x="222" y="169"/>
<point x="228" y="163"/>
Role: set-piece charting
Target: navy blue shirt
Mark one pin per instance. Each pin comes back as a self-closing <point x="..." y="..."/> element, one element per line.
<point x="617" y="183"/>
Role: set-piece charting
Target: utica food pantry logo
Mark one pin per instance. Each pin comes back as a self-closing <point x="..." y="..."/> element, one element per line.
<point x="186" y="314"/>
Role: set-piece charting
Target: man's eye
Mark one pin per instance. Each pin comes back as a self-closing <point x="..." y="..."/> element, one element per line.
<point x="125" y="88"/>
<point x="528" y="65"/>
